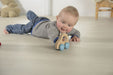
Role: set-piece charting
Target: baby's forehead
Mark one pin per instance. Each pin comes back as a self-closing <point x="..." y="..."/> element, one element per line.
<point x="69" y="14"/>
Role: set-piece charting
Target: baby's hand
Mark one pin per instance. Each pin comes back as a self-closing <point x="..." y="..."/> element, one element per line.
<point x="75" y="39"/>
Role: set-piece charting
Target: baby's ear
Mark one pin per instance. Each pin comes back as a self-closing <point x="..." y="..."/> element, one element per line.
<point x="57" y="17"/>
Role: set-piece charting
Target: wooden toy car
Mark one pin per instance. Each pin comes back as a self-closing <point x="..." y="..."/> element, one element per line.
<point x="62" y="42"/>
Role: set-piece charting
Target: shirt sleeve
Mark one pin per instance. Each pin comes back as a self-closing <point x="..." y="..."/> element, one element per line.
<point x="74" y="32"/>
<point x="52" y="32"/>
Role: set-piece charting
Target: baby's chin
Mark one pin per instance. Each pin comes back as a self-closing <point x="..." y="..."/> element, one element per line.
<point x="62" y="31"/>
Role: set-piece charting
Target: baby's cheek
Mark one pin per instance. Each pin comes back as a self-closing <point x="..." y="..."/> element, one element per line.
<point x="69" y="30"/>
<point x="58" y="24"/>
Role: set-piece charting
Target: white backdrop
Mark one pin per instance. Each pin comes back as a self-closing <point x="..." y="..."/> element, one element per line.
<point x="85" y="7"/>
<point x="42" y="7"/>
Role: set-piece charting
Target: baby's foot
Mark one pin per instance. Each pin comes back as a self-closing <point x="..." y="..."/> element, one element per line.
<point x="5" y="31"/>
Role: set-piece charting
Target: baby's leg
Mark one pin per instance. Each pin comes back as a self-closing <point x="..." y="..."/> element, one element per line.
<point x="19" y="28"/>
<point x="31" y="15"/>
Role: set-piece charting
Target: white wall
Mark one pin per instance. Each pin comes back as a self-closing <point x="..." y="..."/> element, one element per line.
<point x="42" y="7"/>
<point x="85" y="7"/>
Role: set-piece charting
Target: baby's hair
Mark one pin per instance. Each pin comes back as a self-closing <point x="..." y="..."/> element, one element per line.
<point x="71" y="10"/>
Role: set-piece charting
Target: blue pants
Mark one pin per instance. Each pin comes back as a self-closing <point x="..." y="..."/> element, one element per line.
<point x="26" y="28"/>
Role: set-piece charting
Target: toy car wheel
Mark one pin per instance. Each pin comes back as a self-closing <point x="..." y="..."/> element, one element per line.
<point x="61" y="47"/>
<point x="66" y="45"/>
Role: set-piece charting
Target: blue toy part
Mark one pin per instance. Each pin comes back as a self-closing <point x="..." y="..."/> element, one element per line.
<point x="61" y="47"/>
<point x="56" y="39"/>
<point x="72" y="36"/>
<point x="66" y="45"/>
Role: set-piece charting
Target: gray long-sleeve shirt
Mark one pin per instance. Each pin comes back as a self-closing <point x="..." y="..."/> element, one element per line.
<point x="48" y="29"/>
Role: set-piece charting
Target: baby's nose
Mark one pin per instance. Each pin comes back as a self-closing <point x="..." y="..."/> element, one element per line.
<point x="65" y="25"/>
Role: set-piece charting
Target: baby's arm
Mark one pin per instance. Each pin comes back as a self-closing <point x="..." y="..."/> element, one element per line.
<point x="75" y="35"/>
<point x="75" y="39"/>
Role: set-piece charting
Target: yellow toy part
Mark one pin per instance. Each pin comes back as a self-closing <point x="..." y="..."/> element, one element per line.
<point x="62" y="42"/>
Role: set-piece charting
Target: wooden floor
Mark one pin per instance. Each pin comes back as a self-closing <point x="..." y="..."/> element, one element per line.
<point x="28" y="55"/>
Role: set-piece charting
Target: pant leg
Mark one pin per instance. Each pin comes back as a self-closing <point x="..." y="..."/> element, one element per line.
<point x="20" y="28"/>
<point x="34" y="18"/>
<point x="31" y="15"/>
<point x="25" y="28"/>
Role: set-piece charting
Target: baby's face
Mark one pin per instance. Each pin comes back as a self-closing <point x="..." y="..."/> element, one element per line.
<point x="65" y="22"/>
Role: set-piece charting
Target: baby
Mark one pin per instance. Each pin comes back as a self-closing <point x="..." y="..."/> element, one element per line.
<point x="44" y="28"/>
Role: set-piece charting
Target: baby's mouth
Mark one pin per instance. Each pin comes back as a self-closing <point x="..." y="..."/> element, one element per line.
<point x="62" y="29"/>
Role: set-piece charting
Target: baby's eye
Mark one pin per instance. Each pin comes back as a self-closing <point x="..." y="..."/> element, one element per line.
<point x="69" y="25"/>
<point x="63" y="22"/>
